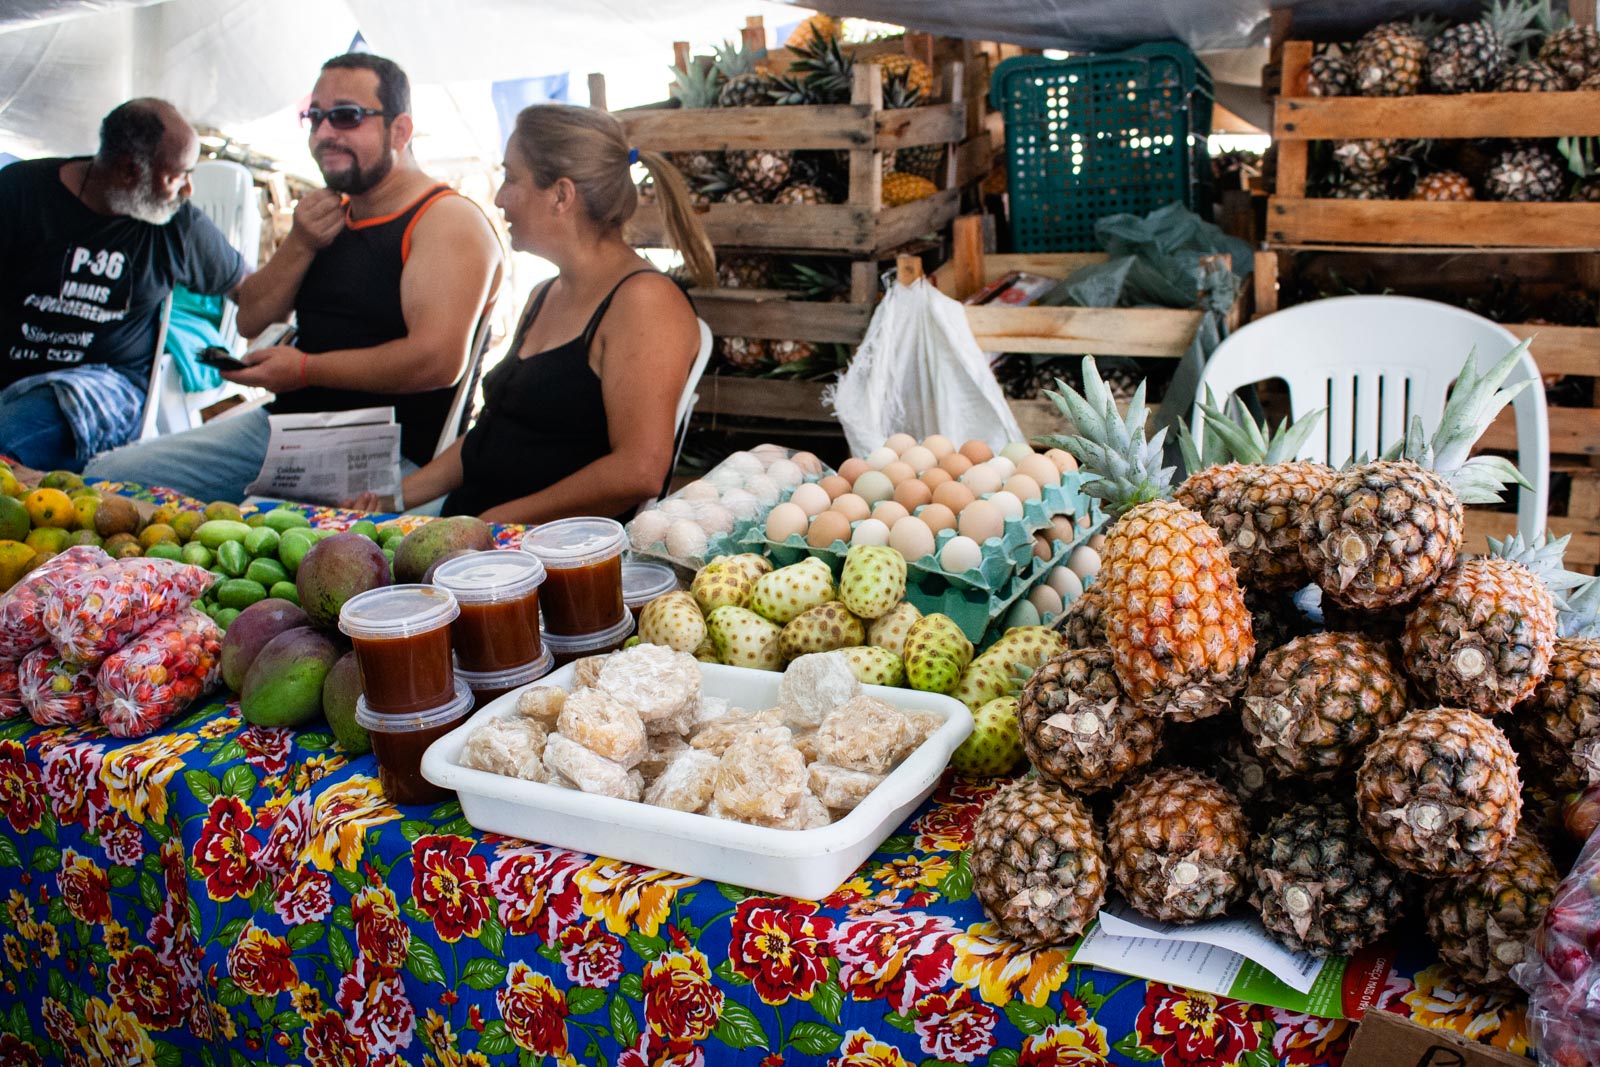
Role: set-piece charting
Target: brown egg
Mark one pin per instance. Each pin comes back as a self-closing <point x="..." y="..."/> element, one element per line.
<point x="939" y="445"/>
<point x="936" y="477"/>
<point x="938" y="517"/>
<point x="889" y="512"/>
<point x="1065" y="462"/>
<point x="1098" y="542"/>
<point x="977" y="451"/>
<point x="1043" y="547"/>
<point x="1023" y="487"/>
<point x="980" y="520"/>
<point x="853" y="468"/>
<point x="955" y="464"/>
<point x="1040" y="469"/>
<point x="1061" y="529"/>
<point x="835" y="485"/>
<point x="911" y="494"/>
<point x="826" y="528"/>
<point x="954" y="496"/>
<point x="898" y="471"/>
<point x="852" y="507"/>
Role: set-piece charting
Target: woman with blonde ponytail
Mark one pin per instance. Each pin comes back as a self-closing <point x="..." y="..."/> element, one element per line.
<point x="579" y="418"/>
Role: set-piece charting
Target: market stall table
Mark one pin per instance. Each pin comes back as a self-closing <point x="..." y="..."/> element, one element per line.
<point x="221" y="893"/>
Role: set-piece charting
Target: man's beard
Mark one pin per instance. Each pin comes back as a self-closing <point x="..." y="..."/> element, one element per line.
<point x="141" y="202"/>
<point x="355" y="181"/>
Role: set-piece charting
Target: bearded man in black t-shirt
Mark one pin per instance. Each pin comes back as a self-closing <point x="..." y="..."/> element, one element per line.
<point x="90" y="248"/>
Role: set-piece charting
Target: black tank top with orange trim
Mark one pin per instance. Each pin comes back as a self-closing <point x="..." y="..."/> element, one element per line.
<point x="350" y="298"/>
<point x="544" y="418"/>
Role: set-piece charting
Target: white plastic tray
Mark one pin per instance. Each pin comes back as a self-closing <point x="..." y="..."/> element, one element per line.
<point x="808" y="864"/>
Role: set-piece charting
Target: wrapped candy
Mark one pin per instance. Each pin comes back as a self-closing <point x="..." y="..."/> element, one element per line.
<point x="11" y="705"/>
<point x="159" y="674"/>
<point x="95" y="613"/>
<point x="1562" y="975"/>
<point x="22" y="606"/>
<point x="56" y="691"/>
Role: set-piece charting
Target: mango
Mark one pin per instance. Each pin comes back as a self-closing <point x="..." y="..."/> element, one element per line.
<point x="50" y="507"/>
<point x="339" y="692"/>
<point x="9" y="486"/>
<point x="283" y="686"/>
<point x="420" y="548"/>
<point x="165" y="513"/>
<point x="427" y="575"/>
<point x="51" y="539"/>
<point x="336" y="569"/>
<point x="224" y="510"/>
<point x="214" y="533"/>
<point x="63" y="480"/>
<point x="85" y="506"/>
<point x="16" y="559"/>
<point x="158" y="533"/>
<point x="185" y="523"/>
<point x="390" y="535"/>
<point x="122" y="546"/>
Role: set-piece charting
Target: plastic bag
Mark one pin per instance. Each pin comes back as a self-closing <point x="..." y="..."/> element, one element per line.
<point x="56" y="691"/>
<point x="1562" y="974"/>
<point x="11" y="705"/>
<point x="93" y="614"/>
<point x="919" y="371"/>
<point x="22" y="606"/>
<point x="160" y="674"/>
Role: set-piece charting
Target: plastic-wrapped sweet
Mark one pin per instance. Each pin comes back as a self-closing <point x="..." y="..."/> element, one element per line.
<point x="687" y="782"/>
<point x="22" y="606"/>
<point x="586" y="671"/>
<point x="589" y="771"/>
<point x="808" y="813"/>
<point x="761" y="775"/>
<point x="655" y="681"/>
<point x="663" y="747"/>
<point x="648" y="529"/>
<point x="160" y="674"/>
<point x="806" y="742"/>
<point x="604" y="726"/>
<point x="512" y="745"/>
<point x="697" y="490"/>
<point x="786" y="473"/>
<point x="841" y="788"/>
<point x="865" y="734"/>
<point x="675" y="509"/>
<point x="763" y="489"/>
<point x="920" y="725"/>
<point x="713" y="518"/>
<point x="715" y="737"/>
<point x="685" y="538"/>
<point x="94" y="613"/>
<point x="542" y="702"/>
<point x="56" y="691"/>
<point x="724" y="478"/>
<point x="710" y="709"/>
<point x="815" y="685"/>
<point x="1561" y="971"/>
<point x="11" y="705"/>
<point x="742" y="503"/>
<point x="747" y="463"/>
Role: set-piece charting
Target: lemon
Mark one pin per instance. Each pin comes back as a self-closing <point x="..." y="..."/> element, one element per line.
<point x="186" y="523"/>
<point x="50" y="507"/>
<point x="9" y="486"/>
<point x="85" y="507"/>
<point x="222" y="509"/>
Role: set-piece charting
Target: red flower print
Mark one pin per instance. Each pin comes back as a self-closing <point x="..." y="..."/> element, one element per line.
<point x="85" y="888"/>
<point x="946" y="828"/>
<point x="1309" y="1040"/>
<point x="260" y="963"/>
<point x="897" y="956"/>
<point x="58" y="1021"/>
<point x="681" y="1002"/>
<point x="304" y="895"/>
<point x="291" y="830"/>
<point x="534" y="1011"/>
<point x="121" y="838"/>
<point x="448" y="883"/>
<point x="593" y="957"/>
<point x="14" y="1052"/>
<point x="329" y="1042"/>
<point x="959" y="790"/>
<point x="225" y="855"/>
<point x="954" y="1027"/>
<point x="649" y="1050"/>
<point x="21" y="789"/>
<point x="145" y="988"/>
<point x="537" y="890"/>
<point x="375" y="1007"/>
<point x="781" y="946"/>
<point x="381" y="934"/>
<point x="72" y="781"/>
<point x="1192" y="1029"/>
<point x="266" y="747"/>
<point x="861" y="1049"/>
<point x="1079" y="1043"/>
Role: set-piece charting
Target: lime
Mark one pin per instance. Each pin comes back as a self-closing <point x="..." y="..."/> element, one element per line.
<point x="366" y="528"/>
<point x="282" y="519"/>
<point x="285" y="591"/>
<point x="225" y="616"/>
<point x="216" y="532"/>
<point x="199" y="555"/>
<point x="165" y="550"/>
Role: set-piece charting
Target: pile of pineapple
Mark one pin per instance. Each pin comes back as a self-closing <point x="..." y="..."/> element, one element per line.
<point x="1515" y="46"/>
<point x="1199" y="744"/>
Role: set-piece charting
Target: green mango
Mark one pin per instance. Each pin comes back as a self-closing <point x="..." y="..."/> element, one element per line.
<point x="283" y="686"/>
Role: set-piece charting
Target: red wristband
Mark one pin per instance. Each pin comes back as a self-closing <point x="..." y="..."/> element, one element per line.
<point x="304" y="381"/>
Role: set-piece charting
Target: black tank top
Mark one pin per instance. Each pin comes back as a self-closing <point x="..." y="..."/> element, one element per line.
<point x="544" y="418"/>
<point x="350" y="298"/>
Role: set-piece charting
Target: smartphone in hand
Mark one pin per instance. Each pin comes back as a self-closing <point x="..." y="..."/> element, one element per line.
<point x="220" y="358"/>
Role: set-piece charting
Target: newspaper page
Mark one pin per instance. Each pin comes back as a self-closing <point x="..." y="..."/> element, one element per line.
<point x="329" y="457"/>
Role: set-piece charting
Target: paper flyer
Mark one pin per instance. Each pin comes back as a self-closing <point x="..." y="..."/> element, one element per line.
<point x="331" y="457"/>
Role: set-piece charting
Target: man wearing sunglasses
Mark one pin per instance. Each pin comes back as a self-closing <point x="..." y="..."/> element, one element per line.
<point x="89" y="249"/>
<point x="387" y="272"/>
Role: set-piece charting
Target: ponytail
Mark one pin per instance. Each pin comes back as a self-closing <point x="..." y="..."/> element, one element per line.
<point x="684" y="231"/>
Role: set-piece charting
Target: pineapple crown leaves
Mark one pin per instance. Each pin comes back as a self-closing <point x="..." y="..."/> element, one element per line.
<point x="1125" y="467"/>
<point x="1514" y="21"/>
<point x="697" y="86"/>
<point x="1246" y="440"/>
<point x="1580" y="616"/>
<point x="1543" y="557"/>
<point x="733" y="60"/>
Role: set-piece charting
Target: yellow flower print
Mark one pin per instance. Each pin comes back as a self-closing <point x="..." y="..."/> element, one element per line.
<point x="19" y="911"/>
<point x="49" y="940"/>
<point x="14" y="953"/>
<point x="1003" y="969"/>
<point x="1082" y="1045"/>
<point x="626" y="895"/>
<point x="315" y="770"/>
<point x="306" y="1001"/>
<point x="115" y="1038"/>
<point x="218" y="728"/>
<point x="136" y="777"/>
<point x="913" y="871"/>
<point x="1442" y="1000"/>
<point x="117" y="941"/>
<point x="437" y="1033"/>
<point x="340" y="820"/>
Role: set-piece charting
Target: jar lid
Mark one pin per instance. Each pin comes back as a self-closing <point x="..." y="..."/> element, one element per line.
<point x="643" y="582"/>
<point x="397" y="611"/>
<point x="416" y="721"/>
<point x="490" y="577"/>
<point x="578" y="644"/>
<point x="576" y="542"/>
<point x="510" y="678"/>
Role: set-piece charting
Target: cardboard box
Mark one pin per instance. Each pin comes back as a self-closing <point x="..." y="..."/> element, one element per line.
<point x="1385" y="1039"/>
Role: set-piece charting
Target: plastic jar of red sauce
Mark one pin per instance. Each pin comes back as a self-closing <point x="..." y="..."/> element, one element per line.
<point x="565" y="649"/>
<point x="582" y="557"/>
<point x="399" y="741"/>
<point x="643" y="582"/>
<point x="498" y="591"/>
<point x="488" y="686"/>
<point x="401" y="635"/>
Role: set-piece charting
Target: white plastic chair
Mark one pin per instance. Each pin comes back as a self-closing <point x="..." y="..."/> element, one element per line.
<point x="686" y="402"/>
<point x="1373" y="362"/>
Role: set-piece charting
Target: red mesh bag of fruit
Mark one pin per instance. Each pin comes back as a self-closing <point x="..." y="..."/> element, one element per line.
<point x="159" y="674"/>
<point x="11" y="705"/>
<point x="22" y="606"/>
<point x="95" y="613"/>
<point x="56" y="691"/>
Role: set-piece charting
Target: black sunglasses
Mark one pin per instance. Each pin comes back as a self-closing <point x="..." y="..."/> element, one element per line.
<point x="340" y="117"/>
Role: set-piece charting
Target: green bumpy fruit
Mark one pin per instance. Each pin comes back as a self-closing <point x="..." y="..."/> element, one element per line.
<point x="293" y="546"/>
<point x="268" y="572"/>
<point x="233" y="558"/>
<point x="286" y="591"/>
<point x="239" y="593"/>
<point x="198" y="555"/>
<point x="285" y="519"/>
<point x="165" y="550"/>
<point x="218" y="532"/>
<point x="994" y="748"/>
<point x="262" y="542"/>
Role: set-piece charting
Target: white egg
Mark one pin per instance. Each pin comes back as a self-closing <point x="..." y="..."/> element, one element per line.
<point x="673" y="508"/>
<point x="880" y="458"/>
<point x="767" y="452"/>
<point x="960" y="554"/>
<point x="698" y="490"/>
<point x="742" y="503"/>
<point x="764" y="489"/>
<point x="870" y="532"/>
<point x="920" y="458"/>
<point x="811" y="498"/>
<point x="1066" y="583"/>
<point x="1010" y="504"/>
<point x="1023" y="487"/>
<point x="1040" y="470"/>
<point x="685" y="539"/>
<point x="1002" y="466"/>
<point x="938" y="444"/>
<point x="784" y="521"/>
<point x="649" y="528"/>
<point x="713" y="518"/>
<point x="1047" y="600"/>
<point x="900" y="442"/>
<point x="808" y="463"/>
<point x="1084" y="562"/>
<point x="982" y="479"/>
<point x="1022" y="613"/>
<point x="746" y="462"/>
<point x="911" y="538"/>
<point x="785" y="472"/>
<point x="1015" y="450"/>
<point x="874" y="486"/>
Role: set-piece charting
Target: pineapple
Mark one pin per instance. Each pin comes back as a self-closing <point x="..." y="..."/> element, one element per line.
<point x="1329" y="73"/>
<point x="1530" y="76"/>
<point x="1175" y="617"/>
<point x="1179" y="846"/>
<point x="1527" y="174"/>
<point x="1439" y="793"/>
<point x="1315" y="704"/>
<point x="1590" y="84"/>
<point x="784" y="353"/>
<point x="813" y="29"/>
<point x="744" y="84"/>
<point x="763" y="171"/>
<point x="1572" y="52"/>
<point x="697" y="87"/>
<point x="1081" y="625"/>
<point x="744" y="353"/>
<point x="745" y="272"/>
<point x="1362" y="187"/>
<point x="1443" y="185"/>
<point x="1220" y="749"/>
<point x="1561" y="720"/>
<point x="915" y="73"/>
<point x="1388" y="59"/>
<point x="1275" y="620"/>
<point x="1317" y="883"/>
<point x="1470" y="57"/>
<point x="1382" y="533"/>
<point x="801" y="193"/>
<point x="1365" y="158"/>
<point x="1078" y="730"/>
<point x="905" y="188"/>
<point x="1038" y="865"/>
<point x="822" y="71"/>
<point x="1587" y="190"/>
<point x="922" y="161"/>
<point x="1482" y="638"/>
<point x="1482" y="922"/>
<point x="741" y="195"/>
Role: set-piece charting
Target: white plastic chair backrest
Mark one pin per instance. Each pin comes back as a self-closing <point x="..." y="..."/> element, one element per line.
<point x="469" y="382"/>
<point x="226" y="192"/>
<point x="686" y="402"/>
<point x="1373" y="362"/>
<point x="152" y="389"/>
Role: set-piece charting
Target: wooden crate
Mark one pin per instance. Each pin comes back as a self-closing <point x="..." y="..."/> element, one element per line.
<point x="1582" y="519"/>
<point x="1297" y="221"/>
